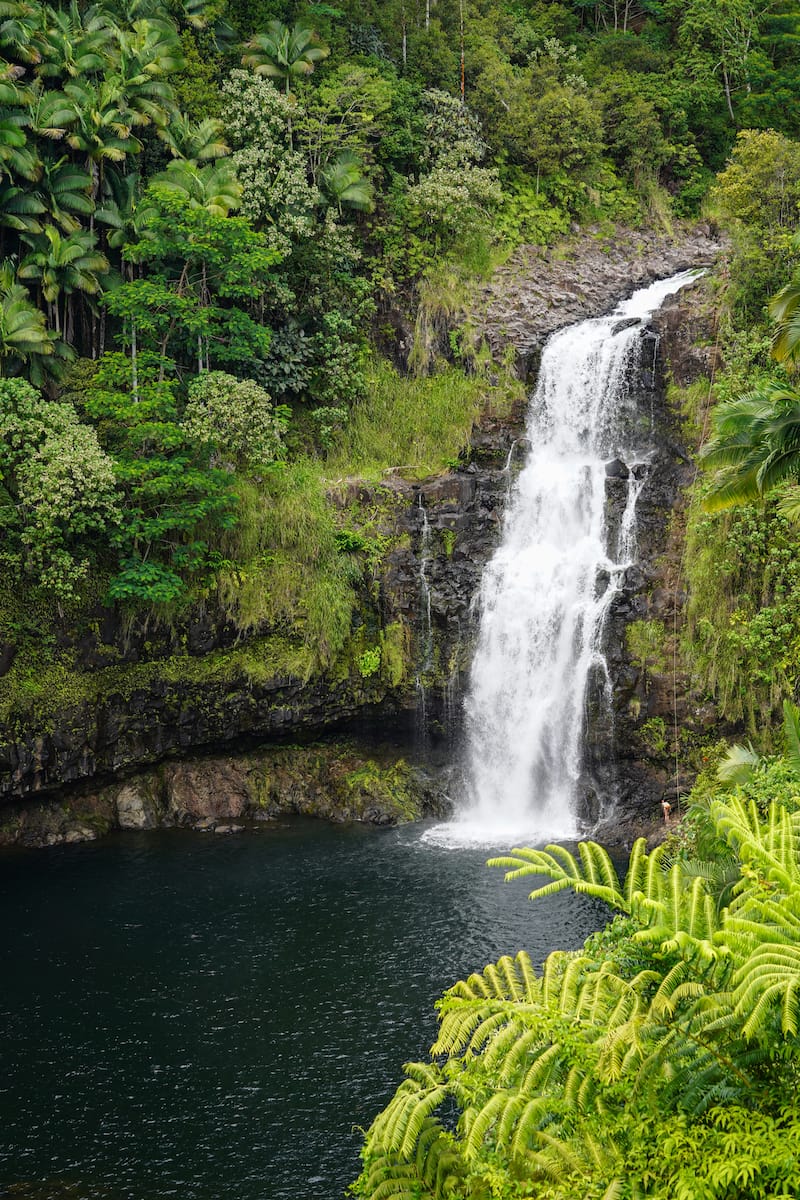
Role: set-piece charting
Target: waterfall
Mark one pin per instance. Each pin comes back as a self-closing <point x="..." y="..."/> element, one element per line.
<point x="542" y="600"/>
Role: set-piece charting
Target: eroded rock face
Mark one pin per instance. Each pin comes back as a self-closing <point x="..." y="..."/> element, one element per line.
<point x="629" y="755"/>
<point x="229" y="794"/>
<point x="540" y="291"/>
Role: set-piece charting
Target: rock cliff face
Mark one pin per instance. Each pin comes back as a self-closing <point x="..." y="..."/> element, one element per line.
<point x="229" y="699"/>
<point x="649" y="693"/>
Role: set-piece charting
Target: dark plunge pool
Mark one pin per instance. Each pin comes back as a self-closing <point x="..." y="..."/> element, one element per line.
<point x="196" y="1016"/>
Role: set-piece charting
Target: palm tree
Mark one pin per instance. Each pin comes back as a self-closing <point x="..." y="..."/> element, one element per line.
<point x="146" y="52"/>
<point x="785" y="311"/>
<point x="64" y="191"/>
<point x="195" y="141"/>
<point x="18" y="23"/>
<point x="214" y="188"/>
<point x="23" y="331"/>
<point x="62" y="266"/>
<point x="284" y="53"/>
<point x="756" y="444"/>
<point x="19" y="209"/>
<point x="48" y="112"/>
<point x="121" y="209"/>
<point x="71" y="44"/>
<point x="223" y="35"/>
<point x="344" y="182"/>
<point x="741" y="762"/>
<point x="16" y="156"/>
<point x="102" y="129"/>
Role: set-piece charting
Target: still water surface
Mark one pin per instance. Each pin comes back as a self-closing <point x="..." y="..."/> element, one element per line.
<point x="204" y="1017"/>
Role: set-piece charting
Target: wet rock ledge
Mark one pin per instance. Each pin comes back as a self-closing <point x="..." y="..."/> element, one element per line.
<point x="226" y="795"/>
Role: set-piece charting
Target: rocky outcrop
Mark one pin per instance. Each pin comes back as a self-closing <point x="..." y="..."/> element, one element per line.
<point x="630" y="746"/>
<point x="539" y="291"/>
<point x="229" y="794"/>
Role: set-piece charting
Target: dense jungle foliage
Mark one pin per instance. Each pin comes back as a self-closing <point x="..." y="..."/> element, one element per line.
<point x="214" y="216"/>
<point x="661" y="1060"/>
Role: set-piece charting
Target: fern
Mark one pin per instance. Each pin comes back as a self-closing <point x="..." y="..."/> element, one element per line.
<point x="536" y="1065"/>
<point x="594" y="876"/>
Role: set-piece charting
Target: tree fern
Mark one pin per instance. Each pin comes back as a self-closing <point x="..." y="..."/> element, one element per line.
<point x="595" y="875"/>
<point x="537" y="1065"/>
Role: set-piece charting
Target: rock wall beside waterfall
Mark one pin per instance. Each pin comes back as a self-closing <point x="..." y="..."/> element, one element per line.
<point x="651" y="694"/>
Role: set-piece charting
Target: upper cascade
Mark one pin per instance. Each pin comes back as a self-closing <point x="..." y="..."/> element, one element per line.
<point x="542" y="610"/>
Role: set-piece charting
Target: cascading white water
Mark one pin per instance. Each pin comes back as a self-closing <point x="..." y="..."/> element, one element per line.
<point x="542" y="611"/>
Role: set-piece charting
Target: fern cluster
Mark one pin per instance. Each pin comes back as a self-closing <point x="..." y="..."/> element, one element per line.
<point x="627" y="1075"/>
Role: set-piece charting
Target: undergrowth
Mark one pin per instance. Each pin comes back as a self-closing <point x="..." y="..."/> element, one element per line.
<point x="284" y="566"/>
<point x="417" y="425"/>
<point x="743" y="639"/>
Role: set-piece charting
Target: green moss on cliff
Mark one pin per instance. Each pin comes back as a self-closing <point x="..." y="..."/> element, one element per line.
<point x="39" y="686"/>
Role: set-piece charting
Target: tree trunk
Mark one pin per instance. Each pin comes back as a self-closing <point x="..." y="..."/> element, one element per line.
<point x="727" y="84"/>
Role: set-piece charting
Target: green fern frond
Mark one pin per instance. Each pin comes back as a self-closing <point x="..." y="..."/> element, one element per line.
<point x="594" y="876"/>
<point x="514" y="1060"/>
<point x="738" y="764"/>
<point x="495" y="1034"/>
<point x="770" y="977"/>
<point x="635" y="878"/>
<point x="458" y="1024"/>
<point x="541" y="1070"/>
<point x="791" y="735"/>
<point x="500" y="1107"/>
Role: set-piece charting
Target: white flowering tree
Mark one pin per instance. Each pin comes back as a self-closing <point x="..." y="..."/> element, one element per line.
<point x="235" y="419"/>
<point x="57" y="488"/>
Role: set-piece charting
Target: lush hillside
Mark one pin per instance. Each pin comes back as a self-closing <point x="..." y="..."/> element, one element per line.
<point x="214" y="218"/>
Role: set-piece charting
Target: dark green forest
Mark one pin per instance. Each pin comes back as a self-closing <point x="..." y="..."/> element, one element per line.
<point x="239" y="244"/>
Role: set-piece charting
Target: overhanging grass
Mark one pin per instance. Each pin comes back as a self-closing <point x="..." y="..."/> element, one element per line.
<point x="286" y="569"/>
<point x="417" y="426"/>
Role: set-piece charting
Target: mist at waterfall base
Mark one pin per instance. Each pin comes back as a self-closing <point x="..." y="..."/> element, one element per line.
<point x="542" y="612"/>
<point x="190" y="1017"/>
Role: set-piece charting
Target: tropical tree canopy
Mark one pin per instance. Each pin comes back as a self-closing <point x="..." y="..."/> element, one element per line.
<point x="283" y="53"/>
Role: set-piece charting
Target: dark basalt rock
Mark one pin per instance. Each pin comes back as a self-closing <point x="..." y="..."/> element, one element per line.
<point x="619" y="762"/>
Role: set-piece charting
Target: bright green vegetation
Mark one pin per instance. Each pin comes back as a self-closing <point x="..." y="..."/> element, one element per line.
<point x="743" y="541"/>
<point x="210" y="213"/>
<point x="416" y="424"/>
<point x="212" y="219"/>
<point x="744" y="610"/>
<point x="661" y="1060"/>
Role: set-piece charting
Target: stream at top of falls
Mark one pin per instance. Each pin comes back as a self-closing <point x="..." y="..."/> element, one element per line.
<point x="542" y="606"/>
<point x="196" y="1017"/>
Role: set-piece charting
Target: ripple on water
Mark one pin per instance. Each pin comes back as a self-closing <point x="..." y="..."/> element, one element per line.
<point x="190" y="1017"/>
